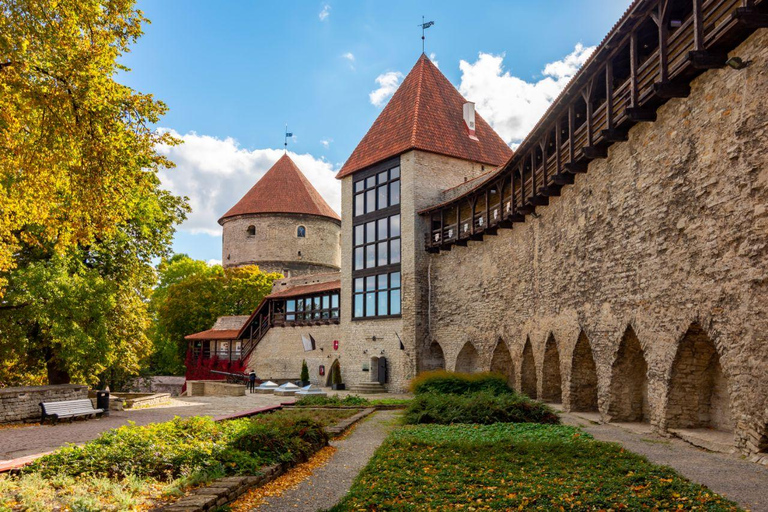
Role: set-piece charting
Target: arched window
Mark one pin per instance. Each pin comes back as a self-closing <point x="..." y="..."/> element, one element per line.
<point x="301" y="232"/>
<point x="251" y="230"/>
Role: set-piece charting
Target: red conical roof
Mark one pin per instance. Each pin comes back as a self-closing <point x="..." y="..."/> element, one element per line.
<point x="283" y="189"/>
<point x="426" y="113"/>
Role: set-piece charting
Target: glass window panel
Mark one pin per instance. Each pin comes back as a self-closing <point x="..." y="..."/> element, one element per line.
<point x="370" y="256"/>
<point x="370" y="283"/>
<point x="394" y="280"/>
<point x="358" y="305"/>
<point x="394" y="192"/>
<point x="359" y="258"/>
<point x="382" y="177"/>
<point x="307" y="304"/>
<point x="290" y="317"/>
<point x="360" y="234"/>
<point x="316" y="302"/>
<point x="359" y="285"/>
<point x="326" y="302"/>
<point x="383" y="231"/>
<point x="394" y="226"/>
<point x="382" y="192"/>
<point x="394" y="173"/>
<point x="359" y="186"/>
<point x="335" y="297"/>
<point x="334" y="313"/>
<point x="326" y="314"/>
<point x="370" y="182"/>
<point x="382" y="297"/>
<point x="382" y="260"/>
<point x="359" y="204"/>
<point x="299" y="305"/>
<point x="370" y="232"/>
<point x="370" y="201"/>
<point x="370" y="304"/>
<point x="394" y="302"/>
<point x="394" y="251"/>
<point x="382" y="278"/>
<point x="290" y="305"/>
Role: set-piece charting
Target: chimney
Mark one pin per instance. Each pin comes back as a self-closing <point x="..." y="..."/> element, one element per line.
<point x="469" y="119"/>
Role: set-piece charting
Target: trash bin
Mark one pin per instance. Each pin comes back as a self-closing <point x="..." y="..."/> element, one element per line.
<point x="102" y="401"/>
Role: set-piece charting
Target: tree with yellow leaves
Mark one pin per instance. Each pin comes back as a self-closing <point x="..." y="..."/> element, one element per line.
<point x="76" y="147"/>
<point x="82" y="213"/>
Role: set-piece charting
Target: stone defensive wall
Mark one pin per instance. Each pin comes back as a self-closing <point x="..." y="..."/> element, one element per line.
<point x="641" y="292"/>
<point x="20" y="404"/>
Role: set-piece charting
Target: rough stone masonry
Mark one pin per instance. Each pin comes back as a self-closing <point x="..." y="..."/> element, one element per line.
<point x="656" y="259"/>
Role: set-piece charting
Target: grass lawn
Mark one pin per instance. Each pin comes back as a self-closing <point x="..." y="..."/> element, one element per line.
<point x="517" y="466"/>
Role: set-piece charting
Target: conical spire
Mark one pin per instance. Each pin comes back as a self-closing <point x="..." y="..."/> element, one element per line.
<point x="283" y="189"/>
<point x="426" y="113"/>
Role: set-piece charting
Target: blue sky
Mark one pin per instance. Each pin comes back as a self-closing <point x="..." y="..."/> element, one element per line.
<point x="233" y="73"/>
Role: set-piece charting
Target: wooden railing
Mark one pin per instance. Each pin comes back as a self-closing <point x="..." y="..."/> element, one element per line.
<point x="683" y="49"/>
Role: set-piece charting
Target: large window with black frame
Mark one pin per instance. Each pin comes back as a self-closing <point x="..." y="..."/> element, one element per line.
<point x="376" y="242"/>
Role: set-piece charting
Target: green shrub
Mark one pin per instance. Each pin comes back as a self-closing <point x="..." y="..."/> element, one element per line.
<point x="483" y="407"/>
<point x="441" y="381"/>
<point x="180" y="447"/>
<point x="304" y="377"/>
<point x="317" y="401"/>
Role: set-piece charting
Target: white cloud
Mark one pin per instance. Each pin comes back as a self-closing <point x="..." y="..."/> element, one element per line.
<point x="511" y="104"/>
<point x="213" y="262"/>
<point x="326" y="142"/>
<point x="388" y="84"/>
<point x="350" y="57"/>
<point x="325" y="12"/>
<point x="215" y="173"/>
<point x="433" y="58"/>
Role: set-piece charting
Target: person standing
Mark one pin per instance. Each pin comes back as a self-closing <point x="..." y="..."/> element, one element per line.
<point x="252" y="381"/>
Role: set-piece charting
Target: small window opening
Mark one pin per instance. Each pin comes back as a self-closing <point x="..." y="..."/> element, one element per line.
<point x="251" y="230"/>
<point x="301" y="232"/>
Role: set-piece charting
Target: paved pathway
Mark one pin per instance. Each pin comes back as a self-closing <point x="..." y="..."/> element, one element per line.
<point x="729" y="475"/>
<point x="331" y="482"/>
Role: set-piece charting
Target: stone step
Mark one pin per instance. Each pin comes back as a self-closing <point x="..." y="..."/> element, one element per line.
<point x="368" y="388"/>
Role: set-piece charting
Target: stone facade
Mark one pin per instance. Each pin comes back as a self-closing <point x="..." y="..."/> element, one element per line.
<point x="275" y="246"/>
<point x="23" y="403"/>
<point x="642" y="290"/>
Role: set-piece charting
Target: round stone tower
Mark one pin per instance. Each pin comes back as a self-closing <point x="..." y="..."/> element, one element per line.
<point x="283" y="225"/>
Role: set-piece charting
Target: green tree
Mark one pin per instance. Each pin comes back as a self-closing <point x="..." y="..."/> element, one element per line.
<point x="189" y="298"/>
<point x="77" y="148"/>
<point x="82" y="315"/>
<point x="304" y="371"/>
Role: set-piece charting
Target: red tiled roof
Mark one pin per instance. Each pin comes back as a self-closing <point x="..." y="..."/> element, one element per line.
<point x="306" y="289"/>
<point x="214" y="334"/>
<point x="426" y="113"/>
<point x="283" y="189"/>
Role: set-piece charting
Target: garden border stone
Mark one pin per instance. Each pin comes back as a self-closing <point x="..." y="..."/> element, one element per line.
<point x="226" y="490"/>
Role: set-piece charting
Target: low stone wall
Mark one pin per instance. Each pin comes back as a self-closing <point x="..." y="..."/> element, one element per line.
<point x="214" y="388"/>
<point x="23" y="403"/>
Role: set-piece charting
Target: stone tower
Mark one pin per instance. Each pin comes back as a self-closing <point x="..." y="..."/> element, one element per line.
<point x="283" y="225"/>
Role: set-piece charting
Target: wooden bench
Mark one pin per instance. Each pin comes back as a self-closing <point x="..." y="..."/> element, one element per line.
<point x="68" y="409"/>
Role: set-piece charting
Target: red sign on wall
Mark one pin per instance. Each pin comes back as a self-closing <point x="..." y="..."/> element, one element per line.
<point x="335" y="344"/>
<point x="322" y="369"/>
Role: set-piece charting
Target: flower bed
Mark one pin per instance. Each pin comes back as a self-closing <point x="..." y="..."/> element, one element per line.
<point x="517" y="466"/>
<point x="136" y="467"/>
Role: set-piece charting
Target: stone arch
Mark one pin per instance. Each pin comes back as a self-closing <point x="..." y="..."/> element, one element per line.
<point x="467" y="360"/>
<point x="434" y="358"/>
<point x="629" y="381"/>
<point x="501" y="362"/>
<point x="583" y="385"/>
<point x="698" y="389"/>
<point x="301" y="232"/>
<point x="528" y="381"/>
<point x="335" y="367"/>
<point x="551" y="381"/>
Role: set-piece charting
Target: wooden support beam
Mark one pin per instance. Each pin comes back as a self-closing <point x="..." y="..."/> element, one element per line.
<point x="749" y="17"/>
<point x="615" y="135"/>
<point x="609" y="93"/>
<point x="587" y="95"/>
<point x="669" y="90"/>
<point x="633" y="64"/>
<point x="564" y="178"/>
<point x="576" y="167"/>
<point x="641" y="114"/>
<point x="595" y="152"/>
<point x="571" y="137"/>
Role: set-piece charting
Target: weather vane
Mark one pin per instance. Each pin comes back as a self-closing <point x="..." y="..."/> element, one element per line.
<point x="424" y="26"/>
<point x="287" y="134"/>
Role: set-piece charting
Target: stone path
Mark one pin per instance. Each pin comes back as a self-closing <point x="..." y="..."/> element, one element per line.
<point x="729" y="475"/>
<point x="331" y="482"/>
